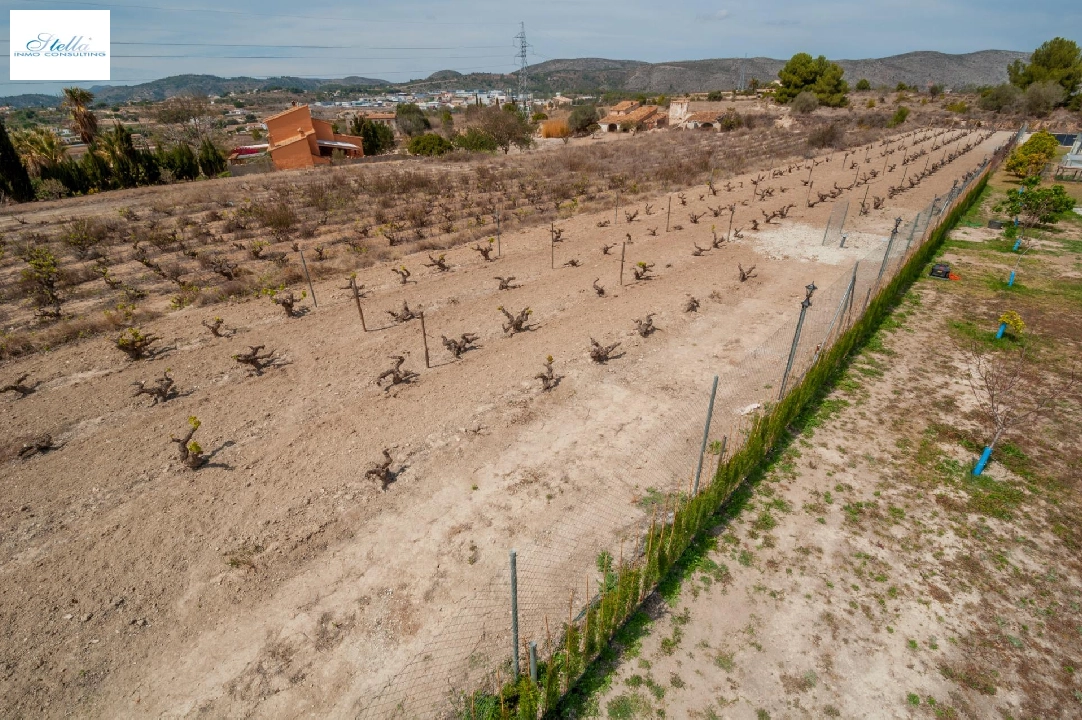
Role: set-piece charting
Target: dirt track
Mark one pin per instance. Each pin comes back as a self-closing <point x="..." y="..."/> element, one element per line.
<point x="279" y="581"/>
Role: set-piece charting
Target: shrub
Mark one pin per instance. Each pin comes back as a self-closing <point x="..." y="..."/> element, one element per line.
<point x="829" y="135"/>
<point x="582" y="119"/>
<point x="1000" y="98"/>
<point x="1031" y="156"/>
<point x="805" y="102"/>
<point x="863" y="85"/>
<point x="1041" y="98"/>
<point x="870" y="103"/>
<point x="429" y="144"/>
<point x="475" y="140"/>
<point x="958" y="106"/>
<point x="898" y="117"/>
<point x="731" y="120"/>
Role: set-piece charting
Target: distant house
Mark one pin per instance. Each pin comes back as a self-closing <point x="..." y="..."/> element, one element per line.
<point x="383" y="118"/>
<point x="630" y="115"/>
<point x="298" y="140"/>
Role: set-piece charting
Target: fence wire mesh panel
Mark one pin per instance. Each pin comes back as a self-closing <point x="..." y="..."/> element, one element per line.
<point x="833" y="233"/>
<point x="557" y="572"/>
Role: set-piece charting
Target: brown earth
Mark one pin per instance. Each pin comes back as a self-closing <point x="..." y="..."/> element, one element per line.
<point x="278" y="579"/>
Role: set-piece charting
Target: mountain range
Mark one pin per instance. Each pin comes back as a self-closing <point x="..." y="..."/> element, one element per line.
<point x="593" y="75"/>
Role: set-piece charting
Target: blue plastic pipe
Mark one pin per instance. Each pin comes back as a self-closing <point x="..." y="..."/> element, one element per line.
<point x="1016" y="244"/>
<point x="1002" y="329"/>
<point x="985" y="456"/>
<point x="1010" y="281"/>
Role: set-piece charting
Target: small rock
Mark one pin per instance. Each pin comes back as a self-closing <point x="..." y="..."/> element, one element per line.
<point x="69" y="616"/>
<point x="86" y="618"/>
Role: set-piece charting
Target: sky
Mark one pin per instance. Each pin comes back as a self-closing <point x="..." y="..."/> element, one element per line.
<point x="409" y="39"/>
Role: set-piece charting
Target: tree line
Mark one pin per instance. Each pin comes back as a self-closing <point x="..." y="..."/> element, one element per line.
<point x="34" y="163"/>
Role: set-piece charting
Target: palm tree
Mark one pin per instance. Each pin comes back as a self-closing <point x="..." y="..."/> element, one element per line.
<point x="39" y="148"/>
<point x="83" y="121"/>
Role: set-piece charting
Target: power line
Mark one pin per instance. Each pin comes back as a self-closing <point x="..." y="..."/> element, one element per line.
<point x="306" y="57"/>
<point x="242" y="13"/>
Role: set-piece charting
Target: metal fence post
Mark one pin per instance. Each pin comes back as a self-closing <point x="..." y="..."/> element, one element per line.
<point x="498" y="250"/>
<point x="514" y="613"/>
<point x="668" y="214"/>
<point x="533" y="661"/>
<point x="706" y="435"/>
<point x="804" y="305"/>
<point x="309" y="277"/>
<point x="890" y="245"/>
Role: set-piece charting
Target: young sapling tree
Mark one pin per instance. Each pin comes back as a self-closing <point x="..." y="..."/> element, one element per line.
<point x="461" y="345"/>
<point x="642" y="270"/>
<point x="135" y="344"/>
<point x="403" y="274"/>
<point x="746" y="275"/>
<point x="254" y="359"/>
<point x="601" y="353"/>
<point x="217" y="327"/>
<point x="548" y="377"/>
<point x="287" y="302"/>
<point x="403" y="315"/>
<point x="606" y="249"/>
<point x="160" y="391"/>
<point x="440" y="263"/>
<point x="485" y="251"/>
<point x="189" y="451"/>
<point x="19" y="387"/>
<point x="516" y="323"/>
<point x="396" y="374"/>
<point x="506" y="282"/>
<point x="381" y="471"/>
<point x="645" y="326"/>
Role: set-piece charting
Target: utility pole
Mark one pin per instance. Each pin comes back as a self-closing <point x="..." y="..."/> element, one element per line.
<point x="522" y="48"/>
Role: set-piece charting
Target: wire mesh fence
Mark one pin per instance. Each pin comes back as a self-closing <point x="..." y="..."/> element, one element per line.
<point x="833" y="233"/>
<point x="558" y="573"/>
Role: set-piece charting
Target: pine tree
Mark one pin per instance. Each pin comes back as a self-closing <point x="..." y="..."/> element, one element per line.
<point x="14" y="179"/>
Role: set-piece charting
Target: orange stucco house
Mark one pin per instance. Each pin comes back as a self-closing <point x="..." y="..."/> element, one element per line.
<point x="298" y="140"/>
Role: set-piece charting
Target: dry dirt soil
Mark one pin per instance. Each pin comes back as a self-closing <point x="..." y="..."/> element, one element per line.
<point x="866" y="573"/>
<point x="279" y="580"/>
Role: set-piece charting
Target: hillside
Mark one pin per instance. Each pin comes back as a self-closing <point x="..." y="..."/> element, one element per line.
<point x="987" y="67"/>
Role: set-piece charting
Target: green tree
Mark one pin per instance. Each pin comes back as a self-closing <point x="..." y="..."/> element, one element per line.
<point x="1030" y="157"/>
<point x="83" y="121"/>
<point x="1000" y="98"/>
<point x="582" y="118"/>
<point x="429" y="144"/>
<point x="475" y="140"/>
<point x="818" y="75"/>
<point x="1058" y="60"/>
<point x="211" y="160"/>
<point x="39" y="148"/>
<point x="14" y="179"/>
<point x="935" y="90"/>
<point x="1042" y="97"/>
<point x="40" y="279"/>
<point x="376" y="137"/>
<point x="898" y="117"/>
<point x="181" y="161"/>
<point x="863" y="85"/>
<point x="1033" y="204"/>
<point x="507" y="127"/>
<point x="411" y="120"/>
